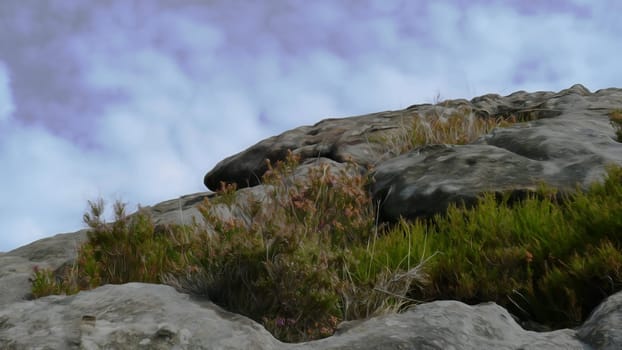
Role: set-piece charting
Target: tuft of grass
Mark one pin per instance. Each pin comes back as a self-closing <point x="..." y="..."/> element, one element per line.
<point x="461" y="126"/>
<point x="43" y="283"/>
<point x="616" y="120"/>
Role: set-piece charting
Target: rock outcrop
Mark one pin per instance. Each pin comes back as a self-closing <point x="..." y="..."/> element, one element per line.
<point x="565" y="139"/>
<point x="147" y="316"/>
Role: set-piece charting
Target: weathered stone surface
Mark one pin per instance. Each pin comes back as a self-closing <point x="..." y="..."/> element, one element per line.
<point x="603" y="329"/>
<point x="183" y="210"/>
<point x="355" y="138"/>
<point x="16" y="266"/>
<point x="571" y="146"/>
<point x="566" y="139"/>
<point x="425" y="181"/>
<point x="447" y="325"/>
<point x="129" y="316"/>
<point x="136" y="315"/>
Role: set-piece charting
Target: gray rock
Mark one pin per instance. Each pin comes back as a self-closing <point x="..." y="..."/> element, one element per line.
<point x="572" y="144"/>
<point x="359" y="139"/>
<point x="136" y="315"/>
<point x="17" y="265"/>
<point x="447" y="325"/>
<point x="183" y="210"/>
<point x="129" y="316"/>
<point x="603" y="329"/>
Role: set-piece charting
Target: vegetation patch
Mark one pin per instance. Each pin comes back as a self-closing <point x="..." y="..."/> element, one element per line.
<point x="311" y="253"/>
<point x="616" y="120"/>
<point x="461" y="126"/>
<point x="547" y="260"/>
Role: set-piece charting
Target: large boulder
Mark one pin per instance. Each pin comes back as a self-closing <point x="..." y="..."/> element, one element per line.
<point x="148" y="316"/>
<point x="17" y="265"/>
<point x="358" y="139"/>
<point x="129" y="316"/>
<point x="570" y="146"/>
<point x="562" y="139"/>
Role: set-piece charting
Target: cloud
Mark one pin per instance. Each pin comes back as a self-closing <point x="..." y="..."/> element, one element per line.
<point x="41" y="176"/>
<point x="6" y="99"/>
<point x="137" y="100"/>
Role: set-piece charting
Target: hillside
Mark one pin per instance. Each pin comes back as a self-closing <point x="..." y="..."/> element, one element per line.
<point x="492" y="223"/>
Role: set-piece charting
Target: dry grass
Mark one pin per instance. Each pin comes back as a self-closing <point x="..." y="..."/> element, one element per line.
<point x="459" y="127"/>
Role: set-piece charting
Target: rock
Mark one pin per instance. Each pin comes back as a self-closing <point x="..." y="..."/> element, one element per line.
<point x="571" y="145"/>
<point x="357" y="138"/>
<point x="602" y="328"/>
<point x="566" y="139"/>
<point x="16" y="266"/>
<point x="447" y="325"/>
<point x="183" y="210"/>
<point x="425" y="181"/>
<point x="137" y="315"/>
<point x="129" y="316"/>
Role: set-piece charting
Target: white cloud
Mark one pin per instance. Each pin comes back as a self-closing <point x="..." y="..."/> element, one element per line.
<point x="109" y="103"/>
<point x="43" y="180"/>
<point x="6" y="99"/>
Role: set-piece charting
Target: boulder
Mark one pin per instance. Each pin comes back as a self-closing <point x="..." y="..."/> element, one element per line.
<point x="148" y="316"/>
<point x="358" y="139"/>
<point x="129" y="316"/>
<point x="562" y="139"/>
<point x="570" y="145"/>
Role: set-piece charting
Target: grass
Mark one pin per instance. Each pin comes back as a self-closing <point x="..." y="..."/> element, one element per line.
<point x="311" y="253"/>
<point x="461" y="126"/>
<point x="547" y="261"/>
<point x="616" y="120"/>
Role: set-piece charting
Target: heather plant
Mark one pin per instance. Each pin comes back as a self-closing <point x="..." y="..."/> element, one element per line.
<point x="288" y="267"/>
<point x="460" y="127"/>
<point x="44" y="283"/>
<point x="130" y="249"/>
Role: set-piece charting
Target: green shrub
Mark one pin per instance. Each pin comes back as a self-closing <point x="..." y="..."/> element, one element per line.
<point x="44" y="283"/>
<point x="286" y="269"/>
<point x="547" y="261"/>
<point x="130" y="249"/>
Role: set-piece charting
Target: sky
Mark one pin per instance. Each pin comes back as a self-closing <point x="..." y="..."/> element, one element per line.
<point x="136" y="100"/>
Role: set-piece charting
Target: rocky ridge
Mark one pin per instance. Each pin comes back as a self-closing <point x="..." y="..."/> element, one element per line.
<point x="565" y="139"/>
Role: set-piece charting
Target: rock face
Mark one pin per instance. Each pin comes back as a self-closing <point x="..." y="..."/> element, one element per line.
<point x="130" y="316"/>
<point x="572" y="148"/>
<point x="566" y="139"/>
<point x="147" y="316"/>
